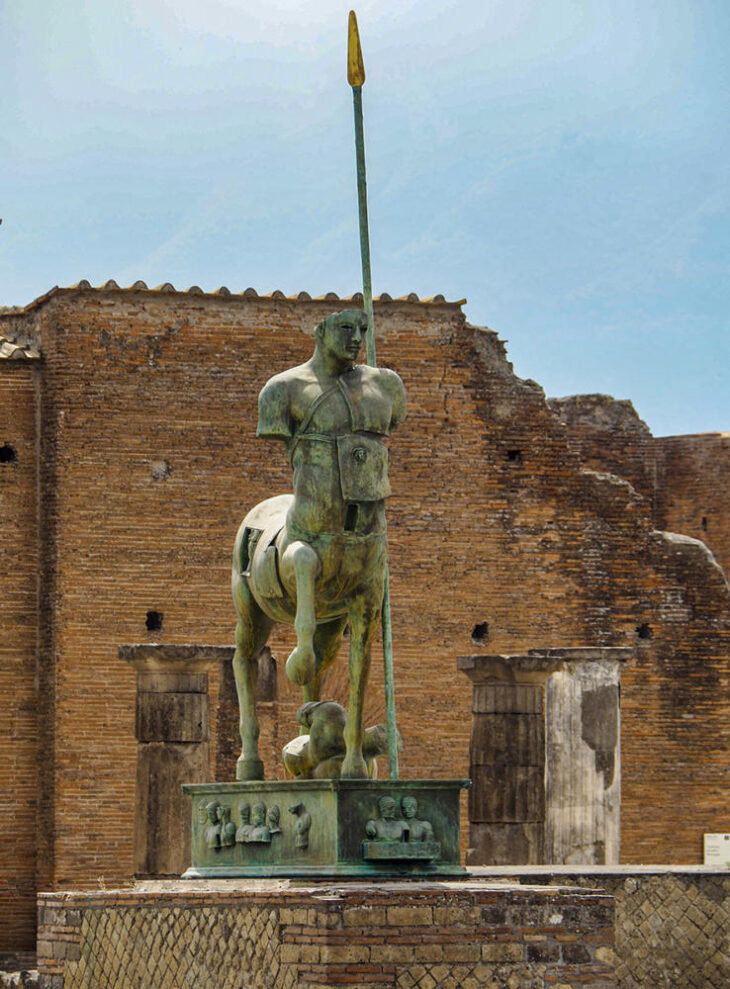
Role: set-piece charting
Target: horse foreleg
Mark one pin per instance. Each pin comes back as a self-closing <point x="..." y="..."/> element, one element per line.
<point x="327" y="642"/>
<point x="364" y="618"/>
<point x="302" y="563"/>
<point x="252" y="631"/>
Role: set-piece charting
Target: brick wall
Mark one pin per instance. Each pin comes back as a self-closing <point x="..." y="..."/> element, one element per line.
<point x="609" y="436"/>
<point x="148" y="463"/>
<point x="671" y="922"/>
<point x="18" y="715"/>
<point x="410" y="936"/>
<point x="694" y="494"/>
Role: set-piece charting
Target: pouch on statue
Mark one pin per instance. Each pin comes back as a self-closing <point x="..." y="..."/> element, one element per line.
<point x="363" y="463"/>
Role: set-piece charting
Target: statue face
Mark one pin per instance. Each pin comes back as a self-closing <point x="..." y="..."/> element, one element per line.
<point x="410" y="806"/>
<point x="387" y="808"/>
<point x="343" y="336"/>
<point x="258" y="815"/>
<point x="212" y="812"/>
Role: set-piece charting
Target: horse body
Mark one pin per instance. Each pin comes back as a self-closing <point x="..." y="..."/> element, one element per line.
<point x="348" y="589"/>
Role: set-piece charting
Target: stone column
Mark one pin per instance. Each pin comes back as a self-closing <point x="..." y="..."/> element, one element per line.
<point x="583" y="757"/>
<point x="172" y="730"/>
<point x="507" y="759"/>
<point x="545" y="757"/>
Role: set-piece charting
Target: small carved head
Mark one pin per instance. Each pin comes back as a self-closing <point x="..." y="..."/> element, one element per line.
<point x="409" y="806"/>
<point x="258" y="814"/>
<point x="244" y="810"/>
<point x="211" y="810"/>
<point x="386" y="807"/>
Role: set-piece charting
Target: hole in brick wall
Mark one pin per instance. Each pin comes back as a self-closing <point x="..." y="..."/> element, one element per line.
<point x="160" y="470"/>
<point x="8" y="454"/>
<point x="153" y="622"/>
<point x="514" y="456"/>
<point x="480" y="633"/>
<point x="644" y="631"/>
<point x="703" y="523"/>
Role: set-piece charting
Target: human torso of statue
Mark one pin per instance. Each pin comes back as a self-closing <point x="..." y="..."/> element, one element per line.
<point x="334" y="428"/>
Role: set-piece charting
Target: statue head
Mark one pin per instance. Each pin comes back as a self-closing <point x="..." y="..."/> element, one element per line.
<point x="341" y="335"/>
<point x="272" y="816"/>
<point x="244" y="809"/>
<point x="258" y="814"/>
<point x="212" y="811"/>
<point x="409" y="805"/>
<point x="386" y="807"/>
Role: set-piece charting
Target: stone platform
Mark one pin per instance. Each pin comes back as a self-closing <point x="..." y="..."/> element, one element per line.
<point x="325" y="828"/>
<point x="280" y="934"/>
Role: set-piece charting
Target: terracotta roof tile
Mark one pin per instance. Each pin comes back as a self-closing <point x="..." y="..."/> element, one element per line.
<point x="249" y="293"/>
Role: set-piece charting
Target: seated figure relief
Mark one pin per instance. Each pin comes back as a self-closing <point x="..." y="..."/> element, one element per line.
<point x="398" y="833"/>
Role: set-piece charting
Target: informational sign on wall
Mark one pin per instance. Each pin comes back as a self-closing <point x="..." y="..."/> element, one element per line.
<point x="717" y="849"/>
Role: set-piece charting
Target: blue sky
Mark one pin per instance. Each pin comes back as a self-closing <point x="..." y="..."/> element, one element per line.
<point x="562" y="164"/>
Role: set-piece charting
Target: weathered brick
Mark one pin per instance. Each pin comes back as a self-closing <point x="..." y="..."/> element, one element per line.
<point x="130" y="381"/>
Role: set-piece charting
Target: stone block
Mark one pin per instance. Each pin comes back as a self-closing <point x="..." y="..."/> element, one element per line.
<point x="410" y="916"/>
<point x="503" y="952"/>
<point x="364" y="917"/>
<point x="172" y="717"/>
<point x="505" y="844"/>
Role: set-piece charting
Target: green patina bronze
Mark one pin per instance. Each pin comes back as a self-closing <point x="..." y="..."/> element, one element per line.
<point x="317" y="559"/>
<point x="326" y="828"/>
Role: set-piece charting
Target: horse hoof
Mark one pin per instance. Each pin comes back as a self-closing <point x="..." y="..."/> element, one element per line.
<point x="300" y="666"/>
<point x="249" y="769"/>
<point x="354" y="770"/>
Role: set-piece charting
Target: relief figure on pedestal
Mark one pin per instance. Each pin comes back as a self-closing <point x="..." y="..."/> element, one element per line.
<point x="399" y="838"/>
<point x="228" y="828"/>
<point x="258" y="831"/>
<point x="304" y="823"/>
<point x="417" y="830"/>
<point x="244" y="812"/>
<point x="387" y="827"/>
<point x="273" y="818"/>
<point x="213" y="829"/>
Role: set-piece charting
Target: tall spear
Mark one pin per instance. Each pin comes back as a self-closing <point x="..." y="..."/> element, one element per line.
<point x="356" y="78"/>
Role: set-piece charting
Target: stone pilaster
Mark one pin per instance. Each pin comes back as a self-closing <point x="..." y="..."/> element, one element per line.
<point x="172" y="730"/>
<point x="545" y="756"/>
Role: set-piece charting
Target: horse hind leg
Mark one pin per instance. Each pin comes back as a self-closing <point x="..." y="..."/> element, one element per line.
<point x="252" y="631"/>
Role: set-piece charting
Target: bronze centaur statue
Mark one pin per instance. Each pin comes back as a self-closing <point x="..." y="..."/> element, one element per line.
<point x="316" y="559"/>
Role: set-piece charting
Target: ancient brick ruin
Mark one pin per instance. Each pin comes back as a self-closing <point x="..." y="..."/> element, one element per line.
<point x="128" y="458"/>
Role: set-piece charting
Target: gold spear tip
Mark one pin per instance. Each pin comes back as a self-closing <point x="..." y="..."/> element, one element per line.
<point x="355" y="64"/>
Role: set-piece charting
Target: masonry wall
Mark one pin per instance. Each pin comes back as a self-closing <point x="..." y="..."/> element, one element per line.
<point x="609" y="437"/>
<point x="454" y="936"/>
<point x="148" y="463"/>
<point x="671" y="922"/>
<point x="693" y="489"/>
<point x="18" y="715"/>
